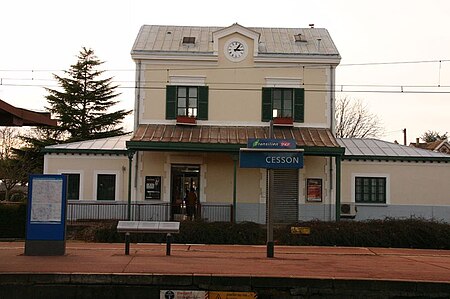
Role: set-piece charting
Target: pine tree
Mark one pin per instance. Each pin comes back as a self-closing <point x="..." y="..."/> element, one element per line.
<point x="83" y="107"/>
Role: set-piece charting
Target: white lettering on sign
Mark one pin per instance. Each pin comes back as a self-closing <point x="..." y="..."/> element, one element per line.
<point x="282" y="160"/>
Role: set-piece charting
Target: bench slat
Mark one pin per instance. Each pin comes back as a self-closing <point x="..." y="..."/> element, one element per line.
<point x="148" y="227"/>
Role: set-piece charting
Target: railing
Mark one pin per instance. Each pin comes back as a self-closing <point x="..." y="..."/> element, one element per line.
<point x="94" y="210"/>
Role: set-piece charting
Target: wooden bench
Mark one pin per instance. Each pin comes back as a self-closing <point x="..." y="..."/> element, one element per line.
<point x="149" y="227"/>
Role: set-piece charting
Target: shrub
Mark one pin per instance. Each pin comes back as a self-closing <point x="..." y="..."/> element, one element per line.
<point x="408" y="233"/>
<point x="12" y="220"/>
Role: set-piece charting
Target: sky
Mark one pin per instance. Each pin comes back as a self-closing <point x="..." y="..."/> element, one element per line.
<point x="395" y="54"/>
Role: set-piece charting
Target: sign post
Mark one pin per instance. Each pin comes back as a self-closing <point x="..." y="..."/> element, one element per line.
<point x="46" y="215"/>
<point x="271" y="154"/>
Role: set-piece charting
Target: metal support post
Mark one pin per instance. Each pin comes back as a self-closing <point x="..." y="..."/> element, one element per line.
<point x="338" y="188"/>
<point x="270" y="206"/>
<point x="127" y="243"/>
<point x="168" y="243"/>
<point x="127" y="235"/>
<point x="235" y="159"/>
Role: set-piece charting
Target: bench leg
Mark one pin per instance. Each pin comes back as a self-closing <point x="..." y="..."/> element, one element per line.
<point x="168" y="243"/>
<point x="127" y="244"/>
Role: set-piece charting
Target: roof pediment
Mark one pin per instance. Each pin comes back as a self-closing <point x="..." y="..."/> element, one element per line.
<point x="236" y="28"/>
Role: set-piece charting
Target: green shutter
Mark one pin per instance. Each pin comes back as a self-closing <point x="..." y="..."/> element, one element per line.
<point x="202" y="103"/>
<point x="299" y="105"/>
<point x="266" y="110"/>
<point x="171" y="102"/>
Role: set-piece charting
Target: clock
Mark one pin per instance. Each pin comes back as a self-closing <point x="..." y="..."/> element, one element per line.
<point x="236" y="50"/>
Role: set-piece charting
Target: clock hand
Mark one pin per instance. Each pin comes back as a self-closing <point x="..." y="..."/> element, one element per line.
<point x="238" y="48"/>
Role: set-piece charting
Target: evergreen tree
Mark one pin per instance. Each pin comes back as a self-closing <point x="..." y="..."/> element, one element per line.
<point x="83" y="107"/>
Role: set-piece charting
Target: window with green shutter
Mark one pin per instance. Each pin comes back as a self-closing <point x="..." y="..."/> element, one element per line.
<point x="191" y="101"/>
<point x="283" y="103"/>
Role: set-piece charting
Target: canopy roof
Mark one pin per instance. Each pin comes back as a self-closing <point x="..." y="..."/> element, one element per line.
<point x="11" y="116"/>
<point x="317" y="141"/>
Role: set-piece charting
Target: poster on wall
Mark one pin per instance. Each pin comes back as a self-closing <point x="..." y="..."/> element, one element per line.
<point x="313" y="190"/>
<point x="152" y="187"/>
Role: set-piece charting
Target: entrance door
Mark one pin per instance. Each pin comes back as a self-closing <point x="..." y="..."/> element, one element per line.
<point x="184" y="191"/>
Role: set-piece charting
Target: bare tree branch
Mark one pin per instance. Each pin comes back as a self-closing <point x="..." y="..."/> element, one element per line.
<point x="354" y="120"/>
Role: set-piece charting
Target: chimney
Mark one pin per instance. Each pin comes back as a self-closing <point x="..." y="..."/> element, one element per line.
<point x="417" y="142"/>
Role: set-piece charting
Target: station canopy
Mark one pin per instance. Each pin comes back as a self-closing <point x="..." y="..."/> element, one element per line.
<point x="11" y="116"/>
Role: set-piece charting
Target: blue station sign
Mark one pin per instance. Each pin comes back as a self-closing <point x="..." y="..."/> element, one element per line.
<point x="271" y="153"/>
<point x="271" y="159"/>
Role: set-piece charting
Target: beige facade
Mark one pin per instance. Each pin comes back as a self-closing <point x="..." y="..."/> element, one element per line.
<point x="235" y="94"/>
<point x="89" y="167"/>
<point x="413" y="183"/>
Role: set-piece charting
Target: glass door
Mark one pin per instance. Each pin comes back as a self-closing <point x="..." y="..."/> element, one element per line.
<point x="185" y="200"/>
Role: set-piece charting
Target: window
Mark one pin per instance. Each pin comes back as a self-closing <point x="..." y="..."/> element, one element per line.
<point x="189" y="40"/>
<point x="283" y="103"/>
<point x="299" y="38"/>
<point x="189" y="101"/>
<point x="370" y="189"/>
<point x="73" y="186"/>
<point x="106" y="187"/>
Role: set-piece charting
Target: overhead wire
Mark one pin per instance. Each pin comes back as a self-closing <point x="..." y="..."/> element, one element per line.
<point x="374" y="88"/>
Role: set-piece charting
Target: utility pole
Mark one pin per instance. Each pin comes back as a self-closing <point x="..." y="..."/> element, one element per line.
<point x="404" y="136"/>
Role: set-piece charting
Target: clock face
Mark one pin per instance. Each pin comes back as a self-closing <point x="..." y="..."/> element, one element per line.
<point x="236" y="50"/>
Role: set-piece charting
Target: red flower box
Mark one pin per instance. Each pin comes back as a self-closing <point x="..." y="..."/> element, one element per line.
<point x="283" y="121"/>
<point x="181" y="119"/>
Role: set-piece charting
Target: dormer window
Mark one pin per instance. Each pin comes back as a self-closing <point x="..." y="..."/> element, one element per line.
<point x="189" y="40"/>
<point x="299" y="38"/>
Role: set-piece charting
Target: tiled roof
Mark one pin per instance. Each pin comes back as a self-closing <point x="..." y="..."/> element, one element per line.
<point x="238" y="135"/>
<point x="379" y="148"/>
<point x="163" y="39"/>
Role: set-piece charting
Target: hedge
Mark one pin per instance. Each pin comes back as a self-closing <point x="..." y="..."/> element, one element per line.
<point x="13" y="220"/>
<point x="395" y="233"/>
<point x="390" y="232"/>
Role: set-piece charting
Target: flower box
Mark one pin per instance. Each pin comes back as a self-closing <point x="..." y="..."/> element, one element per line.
<point x="283" y="121"/>
<point x="187" y="120"/>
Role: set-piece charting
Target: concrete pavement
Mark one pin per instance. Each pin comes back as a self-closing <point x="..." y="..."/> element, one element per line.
<point x="431" y="267"/>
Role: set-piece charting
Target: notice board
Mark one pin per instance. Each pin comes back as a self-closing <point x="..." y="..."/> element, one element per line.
<point x="46" y="214"/>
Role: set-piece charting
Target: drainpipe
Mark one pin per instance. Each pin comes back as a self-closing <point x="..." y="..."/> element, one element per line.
<point x="138" y="94"/>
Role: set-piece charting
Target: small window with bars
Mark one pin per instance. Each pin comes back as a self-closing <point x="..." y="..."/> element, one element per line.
<point x="370" y="189"/>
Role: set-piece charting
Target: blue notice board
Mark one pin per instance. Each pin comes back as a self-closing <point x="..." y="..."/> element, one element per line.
<point x="46" y="210"/>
